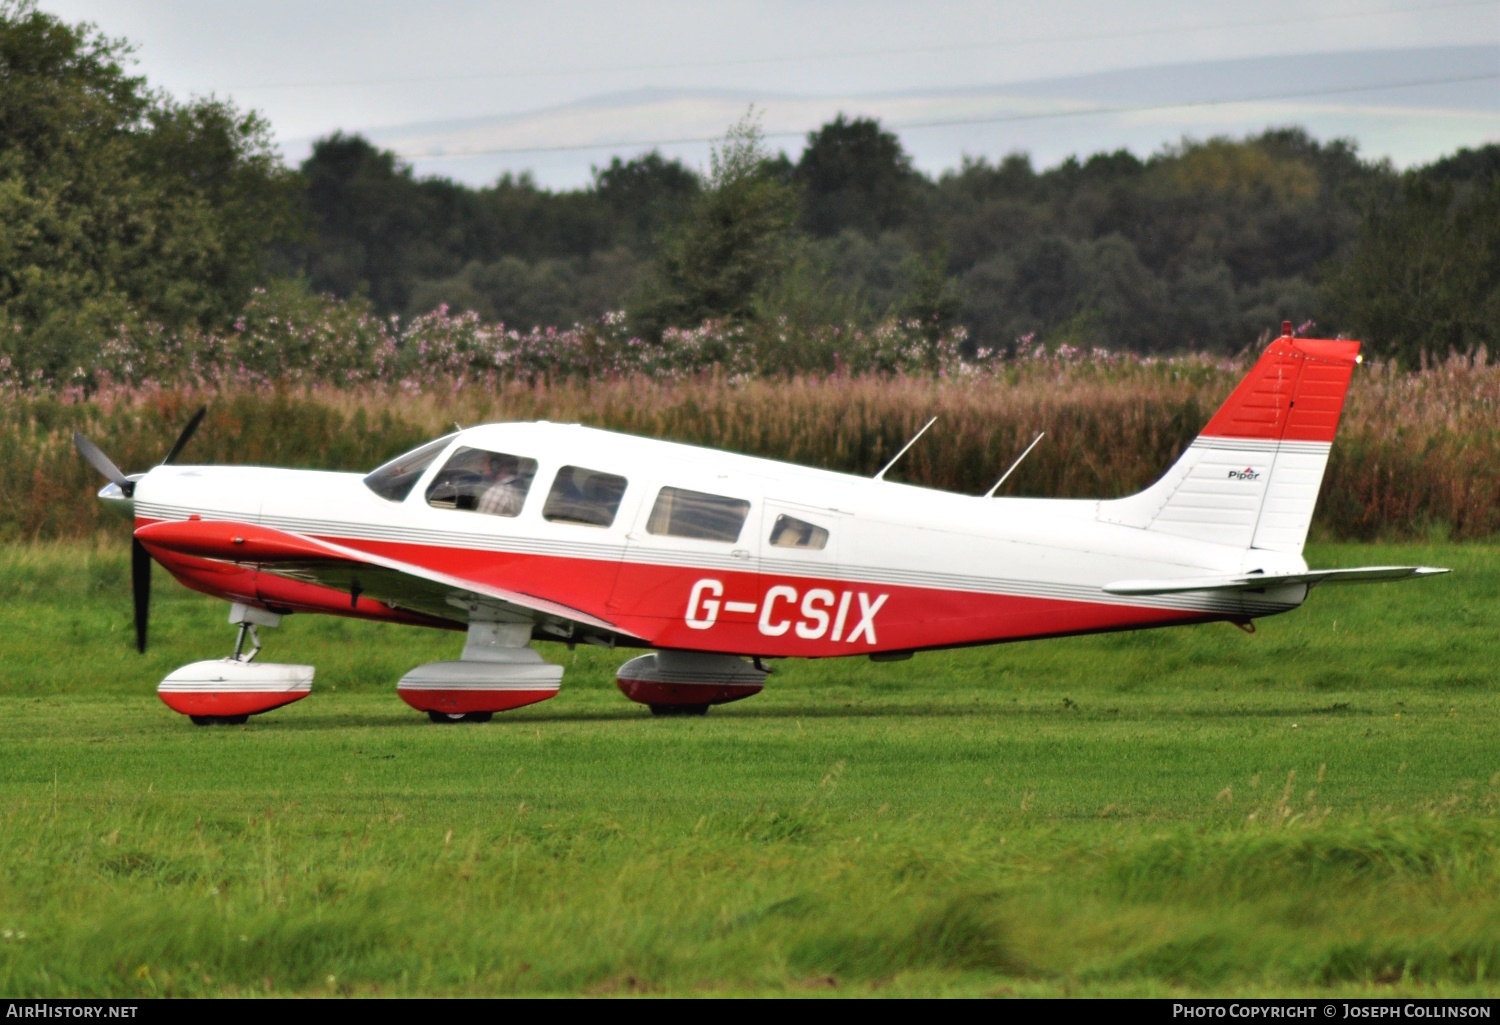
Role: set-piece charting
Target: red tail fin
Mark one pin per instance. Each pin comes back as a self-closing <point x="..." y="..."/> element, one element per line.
<point x="1295" y="392"/>
<point x="1251" y="479"/>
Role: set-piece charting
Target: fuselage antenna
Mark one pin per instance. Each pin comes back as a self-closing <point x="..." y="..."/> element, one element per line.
<point x="991" y="492"/>
<point x="886" y="468"/>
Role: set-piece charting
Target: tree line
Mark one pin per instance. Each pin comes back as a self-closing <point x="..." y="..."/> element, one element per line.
<point x="122" y="209"/>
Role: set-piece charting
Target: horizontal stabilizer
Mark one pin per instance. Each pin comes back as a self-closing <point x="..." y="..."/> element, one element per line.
<point x="1261" y="581"/>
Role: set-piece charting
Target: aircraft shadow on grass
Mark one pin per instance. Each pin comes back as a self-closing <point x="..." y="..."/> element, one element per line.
<point x="327" y="721"/>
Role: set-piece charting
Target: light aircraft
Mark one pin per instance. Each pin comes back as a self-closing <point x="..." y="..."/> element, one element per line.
<point x="515" y="532"/>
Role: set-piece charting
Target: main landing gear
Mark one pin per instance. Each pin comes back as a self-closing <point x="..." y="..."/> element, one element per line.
<point x="688" y="682"/>
<point x="498" y="671"/>
<point x="228" y="691"/>
<point x="448" y="718"/>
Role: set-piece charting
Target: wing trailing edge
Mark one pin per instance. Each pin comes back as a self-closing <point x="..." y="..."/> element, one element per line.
<point x="1262" y="581"/>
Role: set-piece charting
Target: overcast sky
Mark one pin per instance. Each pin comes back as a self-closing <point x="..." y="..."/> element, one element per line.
<point x="313" y="66"/>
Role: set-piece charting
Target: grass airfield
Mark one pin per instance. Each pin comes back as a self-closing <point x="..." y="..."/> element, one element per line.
<point x="1193" y="811"/>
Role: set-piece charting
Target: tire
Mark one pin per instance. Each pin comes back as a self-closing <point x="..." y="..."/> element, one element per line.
<point x="445" y="718"/>
<point x="203" y="720"/>
<point x="479" y="716"/>
<point x="679" y="709"/>
<point x="219" y="720"/>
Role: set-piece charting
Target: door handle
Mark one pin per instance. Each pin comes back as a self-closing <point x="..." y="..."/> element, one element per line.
<point x="740" y="553"/>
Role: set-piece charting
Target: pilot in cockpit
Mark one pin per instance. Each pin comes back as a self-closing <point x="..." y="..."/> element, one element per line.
<point x="504" y="488"/>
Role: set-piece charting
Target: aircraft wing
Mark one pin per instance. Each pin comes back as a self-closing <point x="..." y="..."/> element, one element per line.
<point x="1261" y="581"/>
<point x="347" y="569"/>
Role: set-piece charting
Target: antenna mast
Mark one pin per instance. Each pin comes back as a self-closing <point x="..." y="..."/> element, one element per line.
<point x="991" y="492"/>
<point x="884" y="469"/>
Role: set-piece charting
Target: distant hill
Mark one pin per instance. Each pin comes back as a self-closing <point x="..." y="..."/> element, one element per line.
<point x="1331" y="94"/>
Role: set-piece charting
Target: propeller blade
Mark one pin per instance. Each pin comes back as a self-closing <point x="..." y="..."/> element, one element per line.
<point x="185" y="436"/>
<point x="101" y="462"/>
<point x="140" y="587"/>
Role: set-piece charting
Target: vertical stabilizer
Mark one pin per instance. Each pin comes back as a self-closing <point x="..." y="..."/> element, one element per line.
<point x="1251" y="478"/>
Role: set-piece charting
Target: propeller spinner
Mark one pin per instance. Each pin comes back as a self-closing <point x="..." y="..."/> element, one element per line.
<point x="140" y="559"/>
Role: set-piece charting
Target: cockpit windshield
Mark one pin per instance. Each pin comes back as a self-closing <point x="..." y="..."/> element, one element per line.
<point x="395" y="479"/>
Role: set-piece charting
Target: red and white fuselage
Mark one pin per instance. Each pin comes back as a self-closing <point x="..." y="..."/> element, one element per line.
<point x="625" y="540"/>
<point x="903" y="568"/>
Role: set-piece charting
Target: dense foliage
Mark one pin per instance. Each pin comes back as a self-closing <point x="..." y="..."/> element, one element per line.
<point x="510" y="252"/>
<point x="1424" y="275"/>
<point x="732" y="247"/>
<point x="118" y="205"/>
<point x="286" y="336"/>
<point x="146" y="239"/>
<point x="1204" y="245"/>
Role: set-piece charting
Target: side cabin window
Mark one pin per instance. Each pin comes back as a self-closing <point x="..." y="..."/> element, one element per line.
<point x="481" y="481"/>
<point x="790" y="532"/>
<point x="589" y="497"/>
<point x="394" y="480"/>
<point x="681" y="513"/>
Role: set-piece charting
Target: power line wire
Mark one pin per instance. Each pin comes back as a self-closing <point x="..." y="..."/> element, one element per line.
<point x="553" y="72"/>
<point x="952" y="122"/>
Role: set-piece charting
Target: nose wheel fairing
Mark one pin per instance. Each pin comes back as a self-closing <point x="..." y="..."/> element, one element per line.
<point x="229" y="689"/>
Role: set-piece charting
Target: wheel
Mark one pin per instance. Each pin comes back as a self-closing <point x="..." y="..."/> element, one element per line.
<point x="219" y="720"/>
<point x="202" y="720"/>
<point x="445" y="718"/>
<point x="479" y="716"/>
<point x="234" y="720"/>
<point x="679" y="709"/>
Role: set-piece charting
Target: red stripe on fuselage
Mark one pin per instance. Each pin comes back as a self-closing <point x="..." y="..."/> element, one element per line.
<point x="652" y="602"/>
<point x="810" y="617"/>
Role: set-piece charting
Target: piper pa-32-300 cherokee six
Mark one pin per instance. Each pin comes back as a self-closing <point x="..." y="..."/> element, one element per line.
<point x="517" y="532"/>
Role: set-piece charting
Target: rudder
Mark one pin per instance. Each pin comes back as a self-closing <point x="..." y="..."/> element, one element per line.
<point x="1251" y="478"/>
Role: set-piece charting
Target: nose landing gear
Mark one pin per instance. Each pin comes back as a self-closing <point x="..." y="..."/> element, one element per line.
<point x="227" y="691"/>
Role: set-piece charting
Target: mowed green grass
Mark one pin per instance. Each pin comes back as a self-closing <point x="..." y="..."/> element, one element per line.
<point x="1309" y="809"/>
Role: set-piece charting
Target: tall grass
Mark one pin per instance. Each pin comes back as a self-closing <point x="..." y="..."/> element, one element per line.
<point x="1417" y="454"/>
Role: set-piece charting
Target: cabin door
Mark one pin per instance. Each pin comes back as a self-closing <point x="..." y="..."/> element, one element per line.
<point x="801" y="581"/>
<point x="690" y="568"/>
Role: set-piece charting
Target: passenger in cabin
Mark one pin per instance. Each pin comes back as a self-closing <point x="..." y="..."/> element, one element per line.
<point x="790" y="532"/>
<point x="505" y="485"/>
